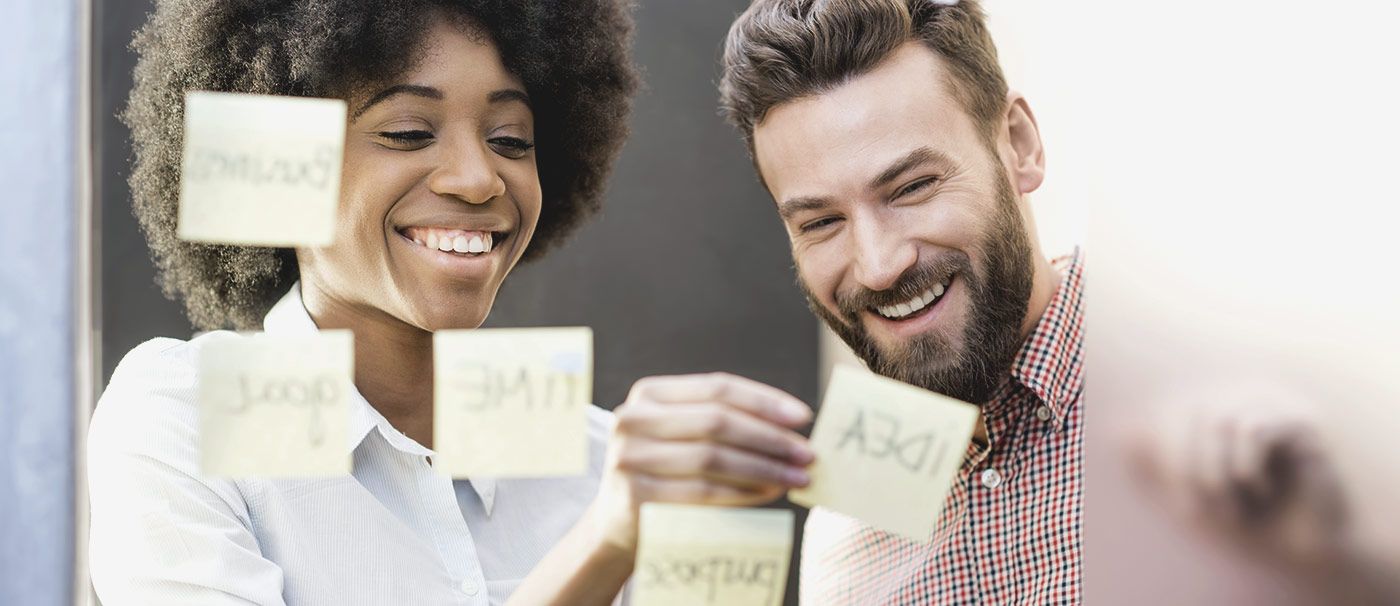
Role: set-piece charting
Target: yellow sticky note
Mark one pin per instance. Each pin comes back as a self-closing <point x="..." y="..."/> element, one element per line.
<point x="887" y="452"/>
<point x="276" y="405"/>
<point x="260" y="170"/>
<point x="694" y="555"/>
<point x="512" y="402"/>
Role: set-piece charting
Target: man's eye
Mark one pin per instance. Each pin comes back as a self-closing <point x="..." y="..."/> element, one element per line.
<point x="916" y="186"/>
<point x="511" y="147"/>
<point x="409" y="138"/>
<point x="818" y="224"/>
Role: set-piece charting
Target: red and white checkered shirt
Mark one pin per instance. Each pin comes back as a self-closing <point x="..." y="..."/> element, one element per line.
<point x="1010" y="532"/>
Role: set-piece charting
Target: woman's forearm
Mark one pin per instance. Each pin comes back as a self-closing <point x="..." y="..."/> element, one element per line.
<point x="584" y="568"/>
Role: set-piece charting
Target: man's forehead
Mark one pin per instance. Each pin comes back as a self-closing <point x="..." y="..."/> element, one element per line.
<point x="864" y="124"/>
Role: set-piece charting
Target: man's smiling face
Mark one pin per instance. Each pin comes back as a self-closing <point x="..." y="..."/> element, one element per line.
<point x="906" y="228"/>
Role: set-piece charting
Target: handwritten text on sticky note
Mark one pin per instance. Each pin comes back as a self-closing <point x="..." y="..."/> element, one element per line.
<point x="275" y="405"/>
<point x="886" y="452"/>
<point x="695" y="555"/>
<point x="512" y="402"/>
<point x="260" y="170"/>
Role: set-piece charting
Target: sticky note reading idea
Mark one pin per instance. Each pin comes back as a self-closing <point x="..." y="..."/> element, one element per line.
<point x="694" y="555"/>
<point x="260" y="170"/>
<point x="275" y="405"/>
<point x="886" y="452"/>
<point x="512" y="402"/>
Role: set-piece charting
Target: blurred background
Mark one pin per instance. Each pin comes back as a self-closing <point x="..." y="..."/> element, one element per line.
<point x="1236" y="163"/>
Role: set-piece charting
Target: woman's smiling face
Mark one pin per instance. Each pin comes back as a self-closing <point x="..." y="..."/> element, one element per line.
<point x="440" y="194"/>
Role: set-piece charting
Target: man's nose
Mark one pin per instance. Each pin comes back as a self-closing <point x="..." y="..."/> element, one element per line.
<point x="467" y="172"/>
<point x="882" y="253"/>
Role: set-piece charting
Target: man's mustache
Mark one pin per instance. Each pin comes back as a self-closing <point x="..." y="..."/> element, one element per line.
<point x="913" y="282"/>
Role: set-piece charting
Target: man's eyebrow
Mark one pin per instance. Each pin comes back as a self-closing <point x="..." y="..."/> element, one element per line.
<point x="792" y="206"/>
<point x="922" y="155"/>
<point x="416" y="90"/>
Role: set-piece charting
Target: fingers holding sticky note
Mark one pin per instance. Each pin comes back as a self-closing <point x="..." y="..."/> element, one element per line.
<point x="275" y="405"/>
<point x="699" y="555"/>
<point x="512" y="402"/>
<point x="887" y="452"/>
<point x="260" y="170"/>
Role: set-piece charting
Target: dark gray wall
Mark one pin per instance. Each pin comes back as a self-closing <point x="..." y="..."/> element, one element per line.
<point x="686" y="270"/>
<point x="133" y="309"/>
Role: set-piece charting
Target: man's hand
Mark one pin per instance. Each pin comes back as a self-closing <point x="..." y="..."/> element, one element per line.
<point x="714" y="439"/>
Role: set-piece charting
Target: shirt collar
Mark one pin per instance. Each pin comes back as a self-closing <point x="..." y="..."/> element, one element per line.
<point x="289" y="316"/>
<point x="1049" y="363"/>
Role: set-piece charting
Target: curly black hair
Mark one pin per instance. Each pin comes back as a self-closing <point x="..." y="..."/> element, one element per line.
<point x="573" y="56"/>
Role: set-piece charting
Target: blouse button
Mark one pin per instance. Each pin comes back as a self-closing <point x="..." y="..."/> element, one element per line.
<point x="468" y="587"/>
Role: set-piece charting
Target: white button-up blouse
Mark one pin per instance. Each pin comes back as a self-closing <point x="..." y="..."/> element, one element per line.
<point x="393" y="532"/>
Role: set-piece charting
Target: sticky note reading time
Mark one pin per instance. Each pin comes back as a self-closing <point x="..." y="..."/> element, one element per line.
<point x="886" y="452"/>
<point x="275" y="405"/>
<point x="695" y="555"/>
<point x="260" y="170"/>
<point x="512" y="402"/>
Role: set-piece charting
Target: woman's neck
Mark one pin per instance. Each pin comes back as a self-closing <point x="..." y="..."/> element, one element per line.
<point x="393" y="361"/>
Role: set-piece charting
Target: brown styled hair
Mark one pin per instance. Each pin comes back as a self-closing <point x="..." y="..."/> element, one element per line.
<point x="781" y="50"/>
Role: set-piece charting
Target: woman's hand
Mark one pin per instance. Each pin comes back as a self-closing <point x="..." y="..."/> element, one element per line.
<point x="714" y="439"/>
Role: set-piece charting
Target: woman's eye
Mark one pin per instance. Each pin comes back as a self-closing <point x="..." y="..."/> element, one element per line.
<point x="818" y="224"/>
<point x="511" y="147"/>
<point x="916" y="186"/>
<point x="412" y="139"/>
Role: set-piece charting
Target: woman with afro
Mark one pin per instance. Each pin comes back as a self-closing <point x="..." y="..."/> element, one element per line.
<point x="479" y="134"/>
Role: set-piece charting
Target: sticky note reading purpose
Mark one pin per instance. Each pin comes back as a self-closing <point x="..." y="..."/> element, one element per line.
<point x="512" y="402"/>
<point x="260" y="170"/>
<point x="695" y="555"/>
<point x="886" y="452"/>
<point x="276" y="405"/>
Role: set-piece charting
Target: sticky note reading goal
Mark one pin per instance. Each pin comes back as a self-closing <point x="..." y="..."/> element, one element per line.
<point x="512" y="402"/>
<point x="260" y="170"/>
<point x="694" y="555"/>
<point x="886" y="452"/>
<point x="275" y="405"/>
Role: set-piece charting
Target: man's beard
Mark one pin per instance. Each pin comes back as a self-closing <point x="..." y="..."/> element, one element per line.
<point x="998" y="298"/>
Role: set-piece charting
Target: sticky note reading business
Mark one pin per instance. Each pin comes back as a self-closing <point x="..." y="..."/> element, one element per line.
<point x="260" y="170"/>
<point x="512" y="402"/>
<point x="886" y="452"/>
<point x="276" y="405"/>
<point x="701" y="556"/>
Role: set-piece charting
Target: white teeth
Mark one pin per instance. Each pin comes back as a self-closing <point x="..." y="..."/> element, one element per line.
<point x="452" y="240"/>
<point x="895" y="312"/>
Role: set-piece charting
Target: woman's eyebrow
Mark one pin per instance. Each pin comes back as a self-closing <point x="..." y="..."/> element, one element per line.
<point x="509" y="94"/>
<point x="416" y="90"/>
